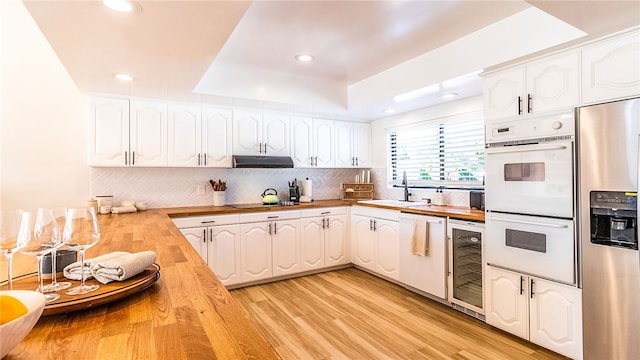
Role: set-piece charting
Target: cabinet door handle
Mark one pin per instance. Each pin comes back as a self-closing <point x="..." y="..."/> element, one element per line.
<point x="265" y="148"/>
<point x="370" y="224"/>
<point x="323" y="223"/>
<point x="521" y="284"/>
<point x="357" y="162"/>
<point x="529" y="103"/>
<point x="532" y="283"/>
<point x="133" y="158"/>
<point x="269" y="228"/>
<point x="210" y="235"/>
<point x="519" y="105"/>
<point x="327" y="222"/>
<point x="260" y="148"/>
<point x="198" y="159"/>
<point x="204" y="236"/>
<point x="275" y="229"/>
<point x="375" y="223"/>
<point x="126" y="158"/>
<point x="205" y="159"/>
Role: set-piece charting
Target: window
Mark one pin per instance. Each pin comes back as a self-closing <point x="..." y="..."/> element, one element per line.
<point x="438" y="153"/>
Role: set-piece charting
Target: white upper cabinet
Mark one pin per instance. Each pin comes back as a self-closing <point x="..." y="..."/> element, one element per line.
<point x="302" y="142"/>
<point x="352" y="144"/>
<point x="255" y="133"/>
<point x="312" y="142"/>
<point x="611" y="69"/>
<point x="124" y="133"/>
<point x="216" y="137"/>
<point x="545" y="85"/>
<point x="109" y="132"/>
<point x="275" y="134"/>
<point x="199" y="136"/>
<point x="184" y="135"/>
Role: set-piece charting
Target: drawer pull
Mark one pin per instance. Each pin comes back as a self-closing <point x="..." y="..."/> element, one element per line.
<point x="207" y="222"/>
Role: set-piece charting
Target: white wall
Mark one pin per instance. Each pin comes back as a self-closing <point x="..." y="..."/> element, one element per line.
<point x="462" y="109"/>
<point x="43" y="127"/>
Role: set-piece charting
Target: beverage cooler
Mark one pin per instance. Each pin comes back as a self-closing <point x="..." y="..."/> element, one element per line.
<point x="465" y="266"/>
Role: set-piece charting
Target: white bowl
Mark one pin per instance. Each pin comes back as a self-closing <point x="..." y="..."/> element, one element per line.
<point x="142" y="205"/>
<point x="15" y="330"/>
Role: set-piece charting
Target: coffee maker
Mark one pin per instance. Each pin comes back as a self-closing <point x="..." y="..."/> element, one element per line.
<point x="294" y="191"/>
<point x="614" y="219"/>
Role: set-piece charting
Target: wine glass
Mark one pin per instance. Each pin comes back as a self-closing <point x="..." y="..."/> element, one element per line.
<point x="39" y="235"/>
<point x="56" y="285"/>
<point x="9" y="226"/>
<point x="81" y="231"/>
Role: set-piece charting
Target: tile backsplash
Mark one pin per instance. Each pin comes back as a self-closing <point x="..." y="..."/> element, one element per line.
<point x="174" y="187"/>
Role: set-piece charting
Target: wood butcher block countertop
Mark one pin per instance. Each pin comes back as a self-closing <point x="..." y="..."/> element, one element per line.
<point x="187" y="314"/>
<point x="456" y="212"/>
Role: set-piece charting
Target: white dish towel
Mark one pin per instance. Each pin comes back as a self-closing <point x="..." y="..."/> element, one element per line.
<point x="123" y="267"/>
<point x="420" y="238"/>
<point x="74" y="272"/>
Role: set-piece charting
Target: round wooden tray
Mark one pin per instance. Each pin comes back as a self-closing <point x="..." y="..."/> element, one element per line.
<point x="106" y="293"/>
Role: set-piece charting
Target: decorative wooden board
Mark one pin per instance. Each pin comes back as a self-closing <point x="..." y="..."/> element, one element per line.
<point x="106" y="293"/>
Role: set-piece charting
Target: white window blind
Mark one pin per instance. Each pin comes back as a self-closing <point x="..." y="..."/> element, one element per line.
<point x="438" y="154"/>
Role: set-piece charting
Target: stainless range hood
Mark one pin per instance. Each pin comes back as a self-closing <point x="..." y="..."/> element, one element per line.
<point x="261" y="162"/>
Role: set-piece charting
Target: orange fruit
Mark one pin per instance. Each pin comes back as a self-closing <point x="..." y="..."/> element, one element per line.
<point x="10" y="308"/>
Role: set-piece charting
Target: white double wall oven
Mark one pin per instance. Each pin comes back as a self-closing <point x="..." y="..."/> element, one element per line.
<point x="530" y="225"/>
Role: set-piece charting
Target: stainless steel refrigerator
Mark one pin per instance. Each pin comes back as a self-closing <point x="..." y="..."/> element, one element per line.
<point x="608" y="143"/>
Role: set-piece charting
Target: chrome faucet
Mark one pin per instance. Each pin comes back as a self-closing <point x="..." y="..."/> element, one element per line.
<point x="407" y="194"/>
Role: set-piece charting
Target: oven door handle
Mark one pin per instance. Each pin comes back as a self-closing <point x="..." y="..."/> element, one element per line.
<point x="559" y="226"/>
<point x="523" y="148"/>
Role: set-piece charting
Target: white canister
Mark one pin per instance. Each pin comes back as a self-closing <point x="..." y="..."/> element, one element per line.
<point x="218" y="198"/>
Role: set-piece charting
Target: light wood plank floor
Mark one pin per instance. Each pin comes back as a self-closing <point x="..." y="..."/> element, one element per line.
<point x="350" y="314"/>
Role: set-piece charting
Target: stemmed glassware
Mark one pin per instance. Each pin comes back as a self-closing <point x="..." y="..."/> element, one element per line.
<point x="38" y="236"/>
<point x="9" y="226"/>
<point x="81" y="231"/>
<point x="56" y="285"/>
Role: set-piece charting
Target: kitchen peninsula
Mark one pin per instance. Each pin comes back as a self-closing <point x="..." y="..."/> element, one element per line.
<point x="187" y="314"/>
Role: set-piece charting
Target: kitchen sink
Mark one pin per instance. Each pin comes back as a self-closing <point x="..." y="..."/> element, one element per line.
<point x="394" y="203"/>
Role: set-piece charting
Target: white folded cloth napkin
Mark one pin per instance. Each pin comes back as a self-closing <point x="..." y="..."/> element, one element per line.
<point x="74" y="272"/>
<point x="123" y="209"/>
<point x="123" y="267"/>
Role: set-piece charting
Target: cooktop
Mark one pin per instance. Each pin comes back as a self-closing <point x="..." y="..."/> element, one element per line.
<point x="261" y="205"/>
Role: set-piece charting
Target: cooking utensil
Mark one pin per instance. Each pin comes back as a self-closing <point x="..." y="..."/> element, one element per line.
<point x="270" y="197"/>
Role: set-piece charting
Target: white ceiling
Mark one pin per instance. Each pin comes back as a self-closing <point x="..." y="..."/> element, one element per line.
<point x="242" y="52"/>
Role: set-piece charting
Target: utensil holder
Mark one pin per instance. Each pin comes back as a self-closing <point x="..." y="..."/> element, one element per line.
<point x="218" y="198"/>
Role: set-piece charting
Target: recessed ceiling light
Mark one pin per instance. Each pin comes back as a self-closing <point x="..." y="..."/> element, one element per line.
<point x="122" y="5"/>
<point x="449" y="96"/>
<point x="124" y="77"/>
<point x="304" y="57"/>
<point x="389" y="111"/>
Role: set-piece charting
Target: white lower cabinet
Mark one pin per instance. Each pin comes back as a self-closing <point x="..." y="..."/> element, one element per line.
<point x="218" y="245"/>
<point x="285" y="248"/>
<point x="256" y="251"/>
<point x="323" y="239"/>
<point x="545" y="312"/>
<point x="197" y="237"/>
<point x="224" y="253"/>
<point x="270" y="244"/>
<point x="375" y="240"/>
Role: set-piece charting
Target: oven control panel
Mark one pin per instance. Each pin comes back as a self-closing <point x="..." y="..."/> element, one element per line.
<point x="531" y="128"/>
